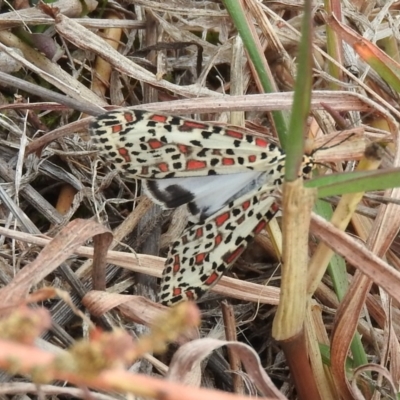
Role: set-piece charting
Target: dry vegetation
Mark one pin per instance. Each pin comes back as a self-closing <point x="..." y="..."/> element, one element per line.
<point x="62" y="65"/>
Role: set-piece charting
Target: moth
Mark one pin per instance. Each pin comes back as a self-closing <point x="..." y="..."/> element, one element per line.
<point x="224" y="176"/>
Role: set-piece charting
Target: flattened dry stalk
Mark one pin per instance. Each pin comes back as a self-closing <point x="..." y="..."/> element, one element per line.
<point x="288" y="325"/>
<point x="340" y="146"/>
<point x="102" y="69"/>
<point x="34" y="15"/>
<point x="237" y="72"/>
<point x="317" y="335"/>
<point x="344" y="329"/>
<point x="46" y="69"/>
<point x="341" y="218"/>
<point x="175" y="229"/>
<point x="358" y="255"/>
<point x="85" y="39"/>
<point x="297" y="205"/>
<point x="275" y="234"/>
<point x="231" y="335"/>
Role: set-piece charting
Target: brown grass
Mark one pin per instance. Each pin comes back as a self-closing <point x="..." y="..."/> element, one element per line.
<point x="60" y="204"/>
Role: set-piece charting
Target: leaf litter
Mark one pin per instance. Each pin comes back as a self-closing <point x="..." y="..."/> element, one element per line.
<point x="51" y="203"/>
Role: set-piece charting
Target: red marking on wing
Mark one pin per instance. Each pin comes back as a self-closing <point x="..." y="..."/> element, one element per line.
<point x="190" y="295"/>
<point x="184" y="239"/>
<point x="195" y="164"/>
<point x="234" y="134"/>
<point x="228" y="161"/>
<point x="274" y="208"/>
<point x="211" y="279"/>
<point x="260" y="226"/>
<point x="221" y="219"/>
<point x="176" y="291"/>
<point x="199" y="232"/>
<point x="177" y="264"/>
<point x="155" y="144"/>
<point x="128" y="117"/>
<point x="252" y="158"/>
<point x="183" y="149"/>
<point x="200" y="258"/>
<point x="246" y="205"/>
<point x="230" y="257"/>
<point x="123" y="152"/>
<point x="218" y="239"/>
<point x="116" y="128"/>
<point x="163" y="167"/>
<point x="262" y="142"/>
<point x="190" y="125"/>
<point x="158" y="118"/>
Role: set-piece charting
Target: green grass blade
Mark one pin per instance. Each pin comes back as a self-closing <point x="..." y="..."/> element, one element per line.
<point x="302" y="99"/>
<point x="258" y="59"/>
<point x="354" y="182"/>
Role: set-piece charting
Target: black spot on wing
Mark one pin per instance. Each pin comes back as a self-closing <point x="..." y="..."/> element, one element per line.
<point x="206" y="134"/>
<point x="171" y="196"/>
<point x="193" y="209"/>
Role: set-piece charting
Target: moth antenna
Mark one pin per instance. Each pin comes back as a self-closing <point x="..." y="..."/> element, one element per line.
<point x="335" y="145"/>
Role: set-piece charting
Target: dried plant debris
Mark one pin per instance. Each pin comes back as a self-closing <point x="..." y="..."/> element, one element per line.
<point x="172" y="93"/>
